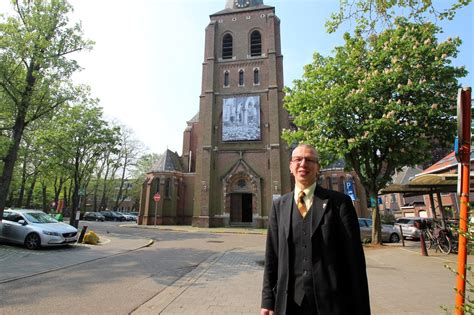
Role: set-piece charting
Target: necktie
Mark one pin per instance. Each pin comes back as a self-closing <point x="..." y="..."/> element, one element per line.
<point x="301" y="204"/>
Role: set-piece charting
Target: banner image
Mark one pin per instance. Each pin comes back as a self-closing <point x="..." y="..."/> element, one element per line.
<point x="241" y="118"/>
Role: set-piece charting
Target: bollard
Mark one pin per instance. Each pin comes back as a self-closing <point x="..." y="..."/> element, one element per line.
<point x="402" y="237"/>
<point x="83" y="232"/>
<point x="421" y="226"/>
<point x="424" y="252"/>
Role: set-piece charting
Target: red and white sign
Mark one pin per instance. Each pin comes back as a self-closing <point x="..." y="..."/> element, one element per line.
<point x="156" y="197"/>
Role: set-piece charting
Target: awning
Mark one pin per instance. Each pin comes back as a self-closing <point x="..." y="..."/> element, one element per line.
<point x="434" y="180"/>
<point x="427" y="183"/>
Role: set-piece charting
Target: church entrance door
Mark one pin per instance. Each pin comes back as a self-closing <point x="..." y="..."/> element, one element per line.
<point x="241" y="208"/>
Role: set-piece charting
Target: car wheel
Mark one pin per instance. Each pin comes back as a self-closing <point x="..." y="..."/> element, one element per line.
<point x="394" y="238"/>
<point x="33" y="241"/>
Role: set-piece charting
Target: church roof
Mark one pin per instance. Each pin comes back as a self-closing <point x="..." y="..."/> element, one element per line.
<point x="403" y="177"/>
<point x="168" y="162"/>
<point x="194" y="119"/>
<point x="338" y="165"/>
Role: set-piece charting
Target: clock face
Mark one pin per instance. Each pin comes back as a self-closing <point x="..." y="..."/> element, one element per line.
<point x="242" y="3"/>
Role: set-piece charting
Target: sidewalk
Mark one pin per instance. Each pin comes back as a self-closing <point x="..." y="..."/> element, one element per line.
<point x="401" y="281"/>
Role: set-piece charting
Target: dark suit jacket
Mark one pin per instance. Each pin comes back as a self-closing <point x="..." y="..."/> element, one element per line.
<point x="338" y="262"/>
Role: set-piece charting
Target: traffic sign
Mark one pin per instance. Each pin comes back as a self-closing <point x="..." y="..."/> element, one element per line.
<point x="156" y="197"/>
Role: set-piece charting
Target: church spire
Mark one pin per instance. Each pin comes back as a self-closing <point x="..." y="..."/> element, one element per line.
<point x="240" y="4"/>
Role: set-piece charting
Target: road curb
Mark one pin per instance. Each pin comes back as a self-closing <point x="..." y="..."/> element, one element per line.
<point x="199" y="230"/>
<point x="164" y="298"/>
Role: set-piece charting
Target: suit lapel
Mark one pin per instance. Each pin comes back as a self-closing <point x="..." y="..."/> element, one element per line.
<point x="319" y="207"/>
<point x="287" y="203"/>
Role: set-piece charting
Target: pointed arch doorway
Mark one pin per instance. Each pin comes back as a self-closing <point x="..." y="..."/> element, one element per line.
<point x="241" y="208"/>
<point x="242" y="194"/>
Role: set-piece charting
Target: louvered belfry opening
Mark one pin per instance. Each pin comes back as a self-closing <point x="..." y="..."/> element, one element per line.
<point x="227" y="46"/>
<point x="255" y="44"/>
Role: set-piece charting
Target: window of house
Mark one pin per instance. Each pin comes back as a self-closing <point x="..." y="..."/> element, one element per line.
<point x="256" y="76"/>
<point x="226" y="78"/>
<point x="241" y="77"/>
<point x="393" y="198"/>
<point x="227" y="47"/>
<point x="255" y="44"/>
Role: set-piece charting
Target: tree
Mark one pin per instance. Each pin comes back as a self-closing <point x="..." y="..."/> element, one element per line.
<point x="371" y="14"/>
<point x="34" y="72"/>
<point x="380" y="103"/>
<point x="71" y="140"/>
<point x="129" y="152"/>
<point x="138" y="173"/>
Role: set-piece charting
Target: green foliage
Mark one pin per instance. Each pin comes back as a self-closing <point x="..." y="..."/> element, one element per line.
<point x="387" y="218"/>
<point x="35" y="71"/>
<point x="380" y="102"/>
<point x="372" y="14"/>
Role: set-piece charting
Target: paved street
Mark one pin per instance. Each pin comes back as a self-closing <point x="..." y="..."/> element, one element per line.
<point x="189" y="272"/>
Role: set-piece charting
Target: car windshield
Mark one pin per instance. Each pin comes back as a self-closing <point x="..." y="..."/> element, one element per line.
<point x="403" y="221"/>
<point x="39" y="217"/>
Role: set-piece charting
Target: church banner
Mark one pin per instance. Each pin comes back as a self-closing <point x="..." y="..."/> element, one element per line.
<point x="241" y="118"/>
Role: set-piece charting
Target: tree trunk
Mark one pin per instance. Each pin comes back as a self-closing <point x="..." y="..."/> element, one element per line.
<point x="21" y="194"/>
<point x="17" y="133"/>
<point x="29" y="195"/>
<point x="57" y="188"/>
<point x="10" y="159"/>
<point x="119" y="198"/>
<point x="376" y="224"/>
<point x="44" y="197"/>
<point x="75" y="195"/>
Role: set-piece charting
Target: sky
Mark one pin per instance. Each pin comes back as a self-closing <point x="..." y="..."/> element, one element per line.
<point x="146" y="64"/>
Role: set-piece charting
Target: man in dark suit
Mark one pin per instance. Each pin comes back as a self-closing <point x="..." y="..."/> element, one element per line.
<point x="314" y="261"/>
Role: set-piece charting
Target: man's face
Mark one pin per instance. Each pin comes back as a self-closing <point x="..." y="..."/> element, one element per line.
<point x="304" y="166"/>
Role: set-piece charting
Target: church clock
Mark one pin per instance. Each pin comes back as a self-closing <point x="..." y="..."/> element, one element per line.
<point x="242" y="3"/>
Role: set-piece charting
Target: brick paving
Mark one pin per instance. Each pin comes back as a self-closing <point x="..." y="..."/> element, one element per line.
<point x="226" y="283"/>
<point x="401" y="281"/>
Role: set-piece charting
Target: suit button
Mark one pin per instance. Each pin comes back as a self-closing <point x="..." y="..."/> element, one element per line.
<point x="305" y="273"/>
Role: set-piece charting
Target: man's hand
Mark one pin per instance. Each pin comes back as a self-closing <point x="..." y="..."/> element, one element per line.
<point x="264" y="311"/>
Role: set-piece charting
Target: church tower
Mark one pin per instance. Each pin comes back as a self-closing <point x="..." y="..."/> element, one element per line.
<point x="241" y="160"/>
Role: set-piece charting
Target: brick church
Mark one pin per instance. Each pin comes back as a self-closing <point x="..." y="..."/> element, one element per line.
<point x="234" y="162"/>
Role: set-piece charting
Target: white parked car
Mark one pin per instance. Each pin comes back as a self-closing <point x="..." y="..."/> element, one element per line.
<point x="34" y="229"/>
<point x="389" y="233"/>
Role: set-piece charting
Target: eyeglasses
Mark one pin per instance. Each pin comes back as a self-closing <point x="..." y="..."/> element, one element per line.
<point x="300" y="159"/>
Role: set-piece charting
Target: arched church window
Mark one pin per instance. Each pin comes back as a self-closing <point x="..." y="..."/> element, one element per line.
<point x="256" y="76"/>
<point x="226" y="78"/>
<point x="255" y="44"/>
<point x="168" y="188"/>
<point x="241" y="77"/>
<point x="227" y="47"/>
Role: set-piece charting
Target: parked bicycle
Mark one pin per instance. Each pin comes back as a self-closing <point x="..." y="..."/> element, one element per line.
<point x="438" y="238"/>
